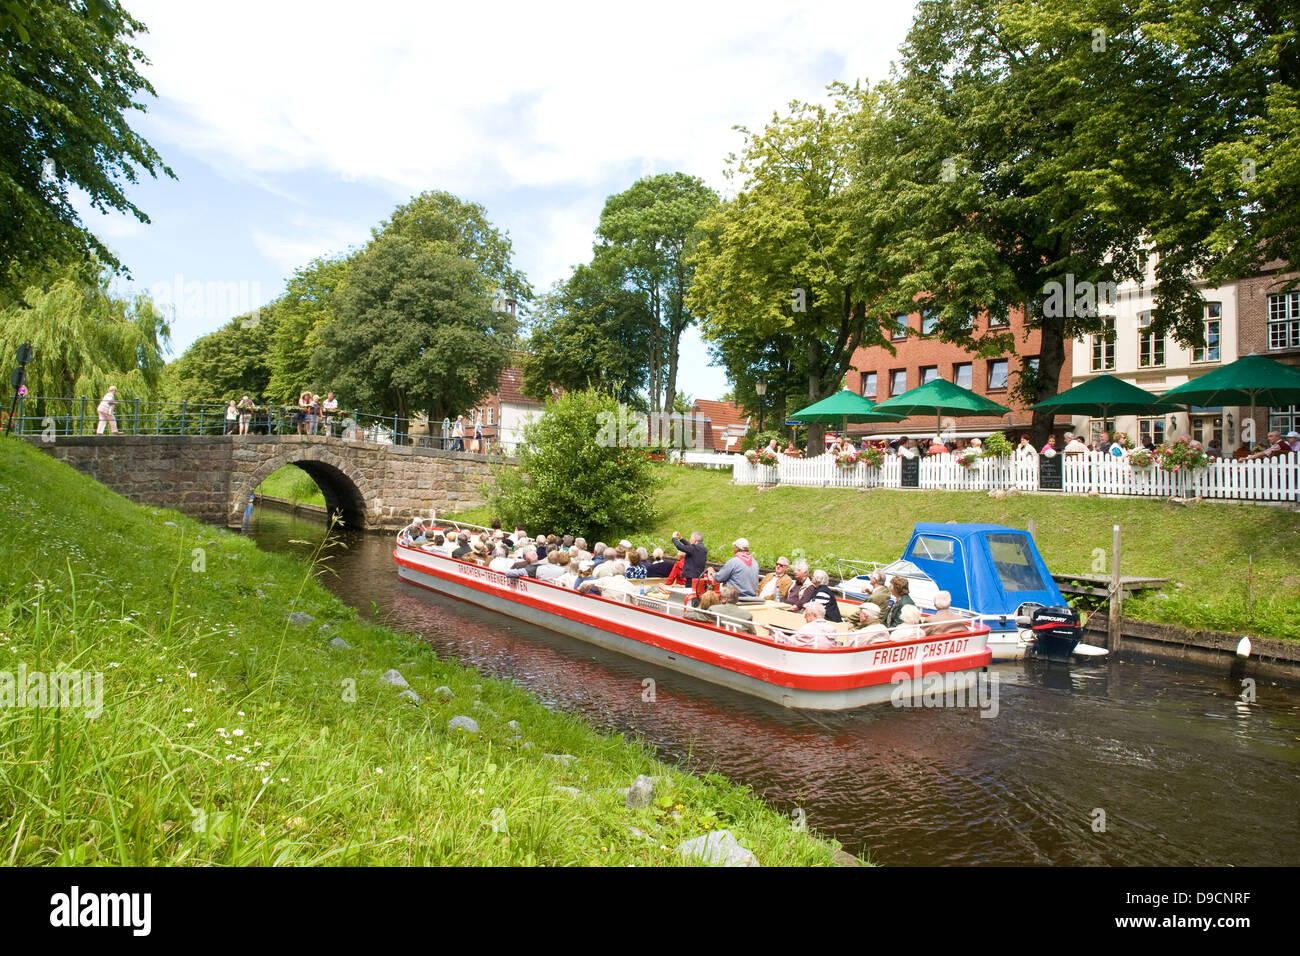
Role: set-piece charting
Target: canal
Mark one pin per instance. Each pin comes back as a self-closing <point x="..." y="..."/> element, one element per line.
<point x="1112" y="763"/>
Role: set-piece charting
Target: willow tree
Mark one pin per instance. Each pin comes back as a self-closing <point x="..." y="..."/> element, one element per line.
<point x="782" y="288"/>
<point x="84" y="339"/>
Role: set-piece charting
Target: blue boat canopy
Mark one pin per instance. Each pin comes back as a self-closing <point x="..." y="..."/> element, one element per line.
<point x="988" y="568"/>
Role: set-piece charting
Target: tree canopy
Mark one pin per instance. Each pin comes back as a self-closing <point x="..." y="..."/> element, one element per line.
<point x="69" y="77"/>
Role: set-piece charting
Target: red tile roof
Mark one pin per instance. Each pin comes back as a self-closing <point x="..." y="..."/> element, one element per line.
<point x="724" y="418"/>
<point x="510" y="389"/>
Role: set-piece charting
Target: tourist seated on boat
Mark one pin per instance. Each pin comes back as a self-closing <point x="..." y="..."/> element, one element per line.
<point x="776" y="582"/>
<point x="579" y="550"/>
<point x="675" y="575"/>
<point x="878" y="596"/>
<point x="569" y="579"/>
<point x="501" y="560"/>
<point x="462" y="545"/>
<point x="439" y="545"/>
<point x="816" y="630"/>
<point x="478" y="552"/>
<point x="697" y="555"/>
<point x="910" y="627"/>
<point x="552" y="569"/>
<point x="613" y="565"/>
<point x="730" y="604"/>
<point x="823" y="595"/>
<point x="598" y="554"/>
<point x="704" y="602"/>
<point x="898" y="587"/>
<point x="659" y="567"/>
<point x="944" y="620"/>
<point x="415" y="532"/>
<point x="636" y="571"/>
<point x="525" y="567"/>
<point x="583" y="574"/>
<point x="802" y="588"/>
<point x="871" y="630"/>
<point x="741" y="570"/>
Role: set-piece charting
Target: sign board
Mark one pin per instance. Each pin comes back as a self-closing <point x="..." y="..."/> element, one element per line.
<point x="19" y="378"/>
<point x="911" y="469"/>
<point x="24" y="353"/>
<point x="1051" y="477"/>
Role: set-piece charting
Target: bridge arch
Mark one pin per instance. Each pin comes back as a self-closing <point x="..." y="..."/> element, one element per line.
<point x="347" y="491"/>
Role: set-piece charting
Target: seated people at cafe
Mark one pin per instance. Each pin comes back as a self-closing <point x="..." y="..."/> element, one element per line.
<point x="898" y="587"/>
<point x="944" y="620"/>
<point x="741" y="570"/>
<point x="551" y="569"/>
<point x="871" y="630"/>
<point x="823" y="595"/>
<point x="816" y="631"/>
<point x="636" y="571"/>
<point x="1074" y="445"/>
<point x="776" y="583"/>
<point x="910" y="626"/>
<point x="802" y="588"/>
<point x="659" y="567"/>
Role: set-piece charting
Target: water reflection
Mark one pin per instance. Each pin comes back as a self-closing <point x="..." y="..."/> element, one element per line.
<point x="1181" y="769"/>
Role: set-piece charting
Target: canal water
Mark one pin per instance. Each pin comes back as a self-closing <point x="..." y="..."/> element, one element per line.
<point x="1112" y="763"/>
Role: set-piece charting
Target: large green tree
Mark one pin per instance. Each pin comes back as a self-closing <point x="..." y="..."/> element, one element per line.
<point x="783" y="287"/>
<point x="69" y="77"/>
<point x="590" y="331"/>
<point x="415" y="330"/>
<point x="650" y="231"/>
<point x="298" y="318"/>
<point x="225" y="364"/>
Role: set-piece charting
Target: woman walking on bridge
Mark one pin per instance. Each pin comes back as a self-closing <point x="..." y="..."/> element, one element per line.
<point x="105" y="410"/>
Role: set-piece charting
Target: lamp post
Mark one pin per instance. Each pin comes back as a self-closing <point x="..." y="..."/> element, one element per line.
<point x="760" y="389"/>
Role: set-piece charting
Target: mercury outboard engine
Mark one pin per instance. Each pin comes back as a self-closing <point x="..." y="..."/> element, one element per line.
<point x="1056" y="631"/>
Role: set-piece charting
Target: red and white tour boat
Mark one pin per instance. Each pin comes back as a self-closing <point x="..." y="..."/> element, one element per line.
<point x="898" y="666"/>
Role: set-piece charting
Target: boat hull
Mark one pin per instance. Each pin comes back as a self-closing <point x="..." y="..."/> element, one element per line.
<point x="836" y="679"/>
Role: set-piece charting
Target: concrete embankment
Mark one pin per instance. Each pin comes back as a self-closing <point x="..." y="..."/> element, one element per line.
<point x="1215" y="649"/>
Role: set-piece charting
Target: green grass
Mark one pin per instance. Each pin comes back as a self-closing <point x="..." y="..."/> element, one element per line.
<point x="292" y="484"/>
<point x="1203" y="550"/>
<point x="229" y="736"/>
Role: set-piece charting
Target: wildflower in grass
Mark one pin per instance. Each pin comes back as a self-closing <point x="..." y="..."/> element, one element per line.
<point x="380" y="771"/>
<point x="190" y="724"/>
<point x="239" y="731"/>
<point x="192" y="674"/>
<point x="187" y="710"/>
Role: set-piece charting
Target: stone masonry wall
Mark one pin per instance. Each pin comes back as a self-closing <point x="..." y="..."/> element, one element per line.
<point x="379" y="487"/>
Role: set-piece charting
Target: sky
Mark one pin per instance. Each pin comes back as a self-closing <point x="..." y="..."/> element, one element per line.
<point x="293" y="128"/>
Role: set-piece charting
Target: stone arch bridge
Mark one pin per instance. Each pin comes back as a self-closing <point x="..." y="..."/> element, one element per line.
<point x="210" y="477"/>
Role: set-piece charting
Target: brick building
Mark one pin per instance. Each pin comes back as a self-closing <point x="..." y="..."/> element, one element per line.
<point x="726" y="424"/>
<point x="921" y="357"/>
<point x="1269" y="325"/>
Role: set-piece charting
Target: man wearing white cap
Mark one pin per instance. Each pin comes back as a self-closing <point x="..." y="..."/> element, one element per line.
<point x="741" y="570"/>
<point x="1293" y="439"/>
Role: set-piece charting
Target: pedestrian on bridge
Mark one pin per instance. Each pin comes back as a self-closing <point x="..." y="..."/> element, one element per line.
<point x="106" y="412"/>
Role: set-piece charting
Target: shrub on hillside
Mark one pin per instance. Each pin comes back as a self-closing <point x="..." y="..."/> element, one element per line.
<point x="578" y="473"/>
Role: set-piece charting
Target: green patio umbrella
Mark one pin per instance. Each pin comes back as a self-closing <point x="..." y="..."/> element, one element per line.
<point x="941" y="397"/>
<point x="1105" y="397"/>
<point x="844" y="407"/>
<point x="1253" y="380"/>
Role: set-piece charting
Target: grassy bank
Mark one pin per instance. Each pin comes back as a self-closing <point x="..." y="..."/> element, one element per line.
<point x="1205" y="550"/>
<point x="292" y="484"/>
<point x="229" y="735"/>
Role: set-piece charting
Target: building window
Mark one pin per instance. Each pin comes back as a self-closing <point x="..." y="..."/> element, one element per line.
<point x="1152" y="429"/>
<point x="868" y="384"/>
<point x="1284" y="321"/>
<point x="1151" y="347"/>
<point x="997" y="321"/>
<point x="1213" y="322"/>
<point x="900" y="325"/>
<point x="487" y="415"/>
<point x="961" y="374"/>
<point x="898" y="381"/>
<point x="1103" y="349"/>
<point x="929" y="322"/>
<point x="997" y="373"/>
<point x="968" y="323"/>
<point x="929" y="373"/>
<point x="1283" y="420"/>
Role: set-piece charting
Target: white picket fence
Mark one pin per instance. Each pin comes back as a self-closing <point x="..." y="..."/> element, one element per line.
<point x="1271" y="479"/>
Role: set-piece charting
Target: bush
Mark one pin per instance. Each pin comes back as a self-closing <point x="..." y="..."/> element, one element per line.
<point x="997" y="445"/>
<point x="579" y="472"/>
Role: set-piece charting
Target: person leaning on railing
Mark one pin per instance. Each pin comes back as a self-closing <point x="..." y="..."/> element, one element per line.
<point x="105" y="410"/>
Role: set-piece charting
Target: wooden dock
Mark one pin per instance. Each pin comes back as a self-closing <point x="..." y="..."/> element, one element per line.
<point x="1098" y="585"/>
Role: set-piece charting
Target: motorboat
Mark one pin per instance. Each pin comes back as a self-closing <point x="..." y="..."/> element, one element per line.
<point x="764" y="657"/>
<point x="994" y="573"/>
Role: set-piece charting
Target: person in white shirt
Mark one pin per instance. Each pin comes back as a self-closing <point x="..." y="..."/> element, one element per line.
<point x="439" y="545"/>
<point x="817" y="631"/>
<point x="501" y="560"/>
<point x="873" y="630"/>
<point x="1074" y="446"/>
<point x="553" y="568"/>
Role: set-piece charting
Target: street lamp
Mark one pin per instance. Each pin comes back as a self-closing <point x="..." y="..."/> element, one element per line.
<point x="760" y="389"/>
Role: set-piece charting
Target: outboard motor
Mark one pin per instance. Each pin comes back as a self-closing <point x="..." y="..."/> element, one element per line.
<point x="1056" y="631"/>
